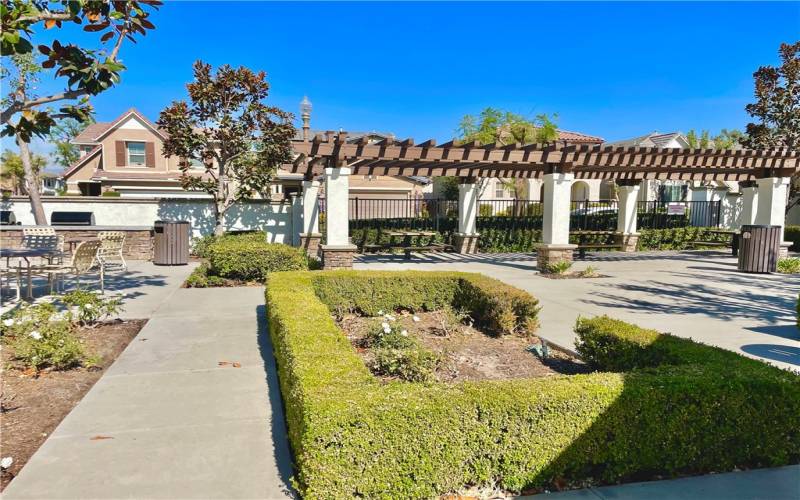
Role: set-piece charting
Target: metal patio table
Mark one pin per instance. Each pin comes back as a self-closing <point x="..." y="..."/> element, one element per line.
<point x="26" y="254"/>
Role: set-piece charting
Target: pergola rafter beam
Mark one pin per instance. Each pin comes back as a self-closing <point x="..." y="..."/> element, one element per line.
<point x="392" y="157"/>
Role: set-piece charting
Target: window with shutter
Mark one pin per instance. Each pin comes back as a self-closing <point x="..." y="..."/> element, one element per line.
<point x="136" y="153"/>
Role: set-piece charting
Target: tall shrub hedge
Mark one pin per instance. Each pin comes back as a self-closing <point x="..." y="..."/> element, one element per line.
<point x="681" y="410"/>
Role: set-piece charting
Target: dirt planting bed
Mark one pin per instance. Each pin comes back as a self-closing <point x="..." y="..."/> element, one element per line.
<point x="464" y="351"/>
<point x="33" y="403"/>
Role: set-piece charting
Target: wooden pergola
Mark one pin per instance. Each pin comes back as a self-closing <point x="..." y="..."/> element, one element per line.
<point x="764" y="177"/>
<point x="395" y="158"/>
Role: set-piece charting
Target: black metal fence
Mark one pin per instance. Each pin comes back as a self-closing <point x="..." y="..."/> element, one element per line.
<point x="600" y="215"/>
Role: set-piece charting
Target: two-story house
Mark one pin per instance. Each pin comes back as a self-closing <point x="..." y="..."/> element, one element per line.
<point x="125" y="156"/>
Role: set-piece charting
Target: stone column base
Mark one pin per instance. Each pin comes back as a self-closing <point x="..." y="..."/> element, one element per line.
<point x="465" y="243"/>
<point x="627" y="241"/>
<point x="338" y="256"/>
<point x="311" y="243"/>
<point x="783" y="252"/>
<point x="547" y="254"/>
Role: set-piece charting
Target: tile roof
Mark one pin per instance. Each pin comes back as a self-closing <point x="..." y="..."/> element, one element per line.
<point x="93" y="130"/>
<point x="653" y="139"/>
<point x="569" y="136"/>
<point x="141" y="175"/>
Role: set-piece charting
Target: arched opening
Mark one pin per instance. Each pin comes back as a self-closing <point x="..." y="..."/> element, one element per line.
<point x="580" y="191"/>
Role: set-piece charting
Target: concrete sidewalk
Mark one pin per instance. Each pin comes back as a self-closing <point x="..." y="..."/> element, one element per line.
<point x="781" y="483"/>
<point x="167" y="420"/>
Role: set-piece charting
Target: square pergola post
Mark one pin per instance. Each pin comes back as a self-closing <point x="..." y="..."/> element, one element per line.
<point x="749" y="191"/>
<point x="466" y="239"/>
<point x="555" y="246"/>
<point x="627" y="235"/>
<point x="310" y="237"/>
<point x="337" y="252"/>
<point x="772" y="193"/>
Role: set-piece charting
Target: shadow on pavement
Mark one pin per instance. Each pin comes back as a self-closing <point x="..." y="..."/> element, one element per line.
<point x="280" y="438"/>
<point x="784" y="353"/>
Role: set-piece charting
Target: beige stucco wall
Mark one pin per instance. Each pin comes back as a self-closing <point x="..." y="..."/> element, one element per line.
<point x="126" y="134"/>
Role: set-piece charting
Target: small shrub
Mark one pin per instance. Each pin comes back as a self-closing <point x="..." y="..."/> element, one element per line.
<point x="559" y="267"/>
<point x="199" y="277"/>
<point x="485" y="210"/>
<point x="451" y="320"/>
<point x="589" y="272"/>
<point x="90" y="307"/>
<point x="53" y="345"/>
<point x="412" y="364"/>
<point x="385" y="335"/>
<point x="246" y="258"/>
<point x="789" y="265"/>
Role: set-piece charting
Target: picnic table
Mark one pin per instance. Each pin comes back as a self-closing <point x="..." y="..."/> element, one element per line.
<point x="583" y="245"/>
<point x="74" y="242"/>
<point x="26" y="254"/>
<point x="733" y="242"/>
<point x="401" y="240"/>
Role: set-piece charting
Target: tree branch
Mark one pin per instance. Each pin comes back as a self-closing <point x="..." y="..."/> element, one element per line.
<point x="118" y="44"/>
<point x="47" y="16"/>
<point x="18" y="106"/>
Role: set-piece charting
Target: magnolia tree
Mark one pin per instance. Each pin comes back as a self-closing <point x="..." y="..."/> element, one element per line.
<point x="777" y="109"/>
<point x="226" y="130"/>
<point x="85" y="70"/>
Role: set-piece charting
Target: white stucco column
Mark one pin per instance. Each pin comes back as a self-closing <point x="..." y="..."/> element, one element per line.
<point x="310" y="207"/>
<point x="772" y="193"/>
<point x="555" y="247"/>
<point x="467" y="208"/>
<point x="626" y="216"/>
<point x="296" y="207"/>
<point x="749" y="202"/>
<point x="627" y="237"/>
<point x="466" y="239"/>
<point x="337" y="252"/>
<point x="557" y="193"/>
<point x="337" y="191"/>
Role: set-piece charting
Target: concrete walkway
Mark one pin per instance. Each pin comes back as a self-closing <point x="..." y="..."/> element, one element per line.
<point x="782" y="483"/>
<point x="168" y="420"/>
<point x="693" y="294"/>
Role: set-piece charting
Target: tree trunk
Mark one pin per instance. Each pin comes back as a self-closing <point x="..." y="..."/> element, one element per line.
<point x="219" y="218"/>
<point x="220" y="199"/>
<point x="32" y="181"/>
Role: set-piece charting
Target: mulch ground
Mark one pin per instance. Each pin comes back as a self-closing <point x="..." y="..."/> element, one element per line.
<point x="466" y="352"/>
<point x="34" y="404"/>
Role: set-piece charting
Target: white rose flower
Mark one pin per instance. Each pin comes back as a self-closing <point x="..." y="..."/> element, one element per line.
<point x="6" y="462"/>
<point x="36" y="335"/>
<point x="8" y="322"/>
<point x="389" y="317"/>
<point x="404" y="333"/>
<point x="415" y="318"/>
<point x="89" y="306"/>
<point x="380" y="313"/>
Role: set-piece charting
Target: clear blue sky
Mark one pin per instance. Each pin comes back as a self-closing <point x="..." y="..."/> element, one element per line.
<point x="616" y="70"/>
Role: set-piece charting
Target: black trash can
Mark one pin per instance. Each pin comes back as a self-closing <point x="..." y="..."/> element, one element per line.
<point x="171" y="243"/>
<point x="759" y="248"/>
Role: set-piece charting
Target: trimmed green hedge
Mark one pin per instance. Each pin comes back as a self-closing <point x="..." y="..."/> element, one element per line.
<point x="689" y="409"/>
<point x="251" y="258"/>
<point x="499" y="308"/>
<point x="509" y="234"/>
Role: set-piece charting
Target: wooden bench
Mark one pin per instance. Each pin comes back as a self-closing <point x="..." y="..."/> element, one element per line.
<point x="732" y="243"/>
<point x="591" y="246"/>
<point x="438" y="247"/>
